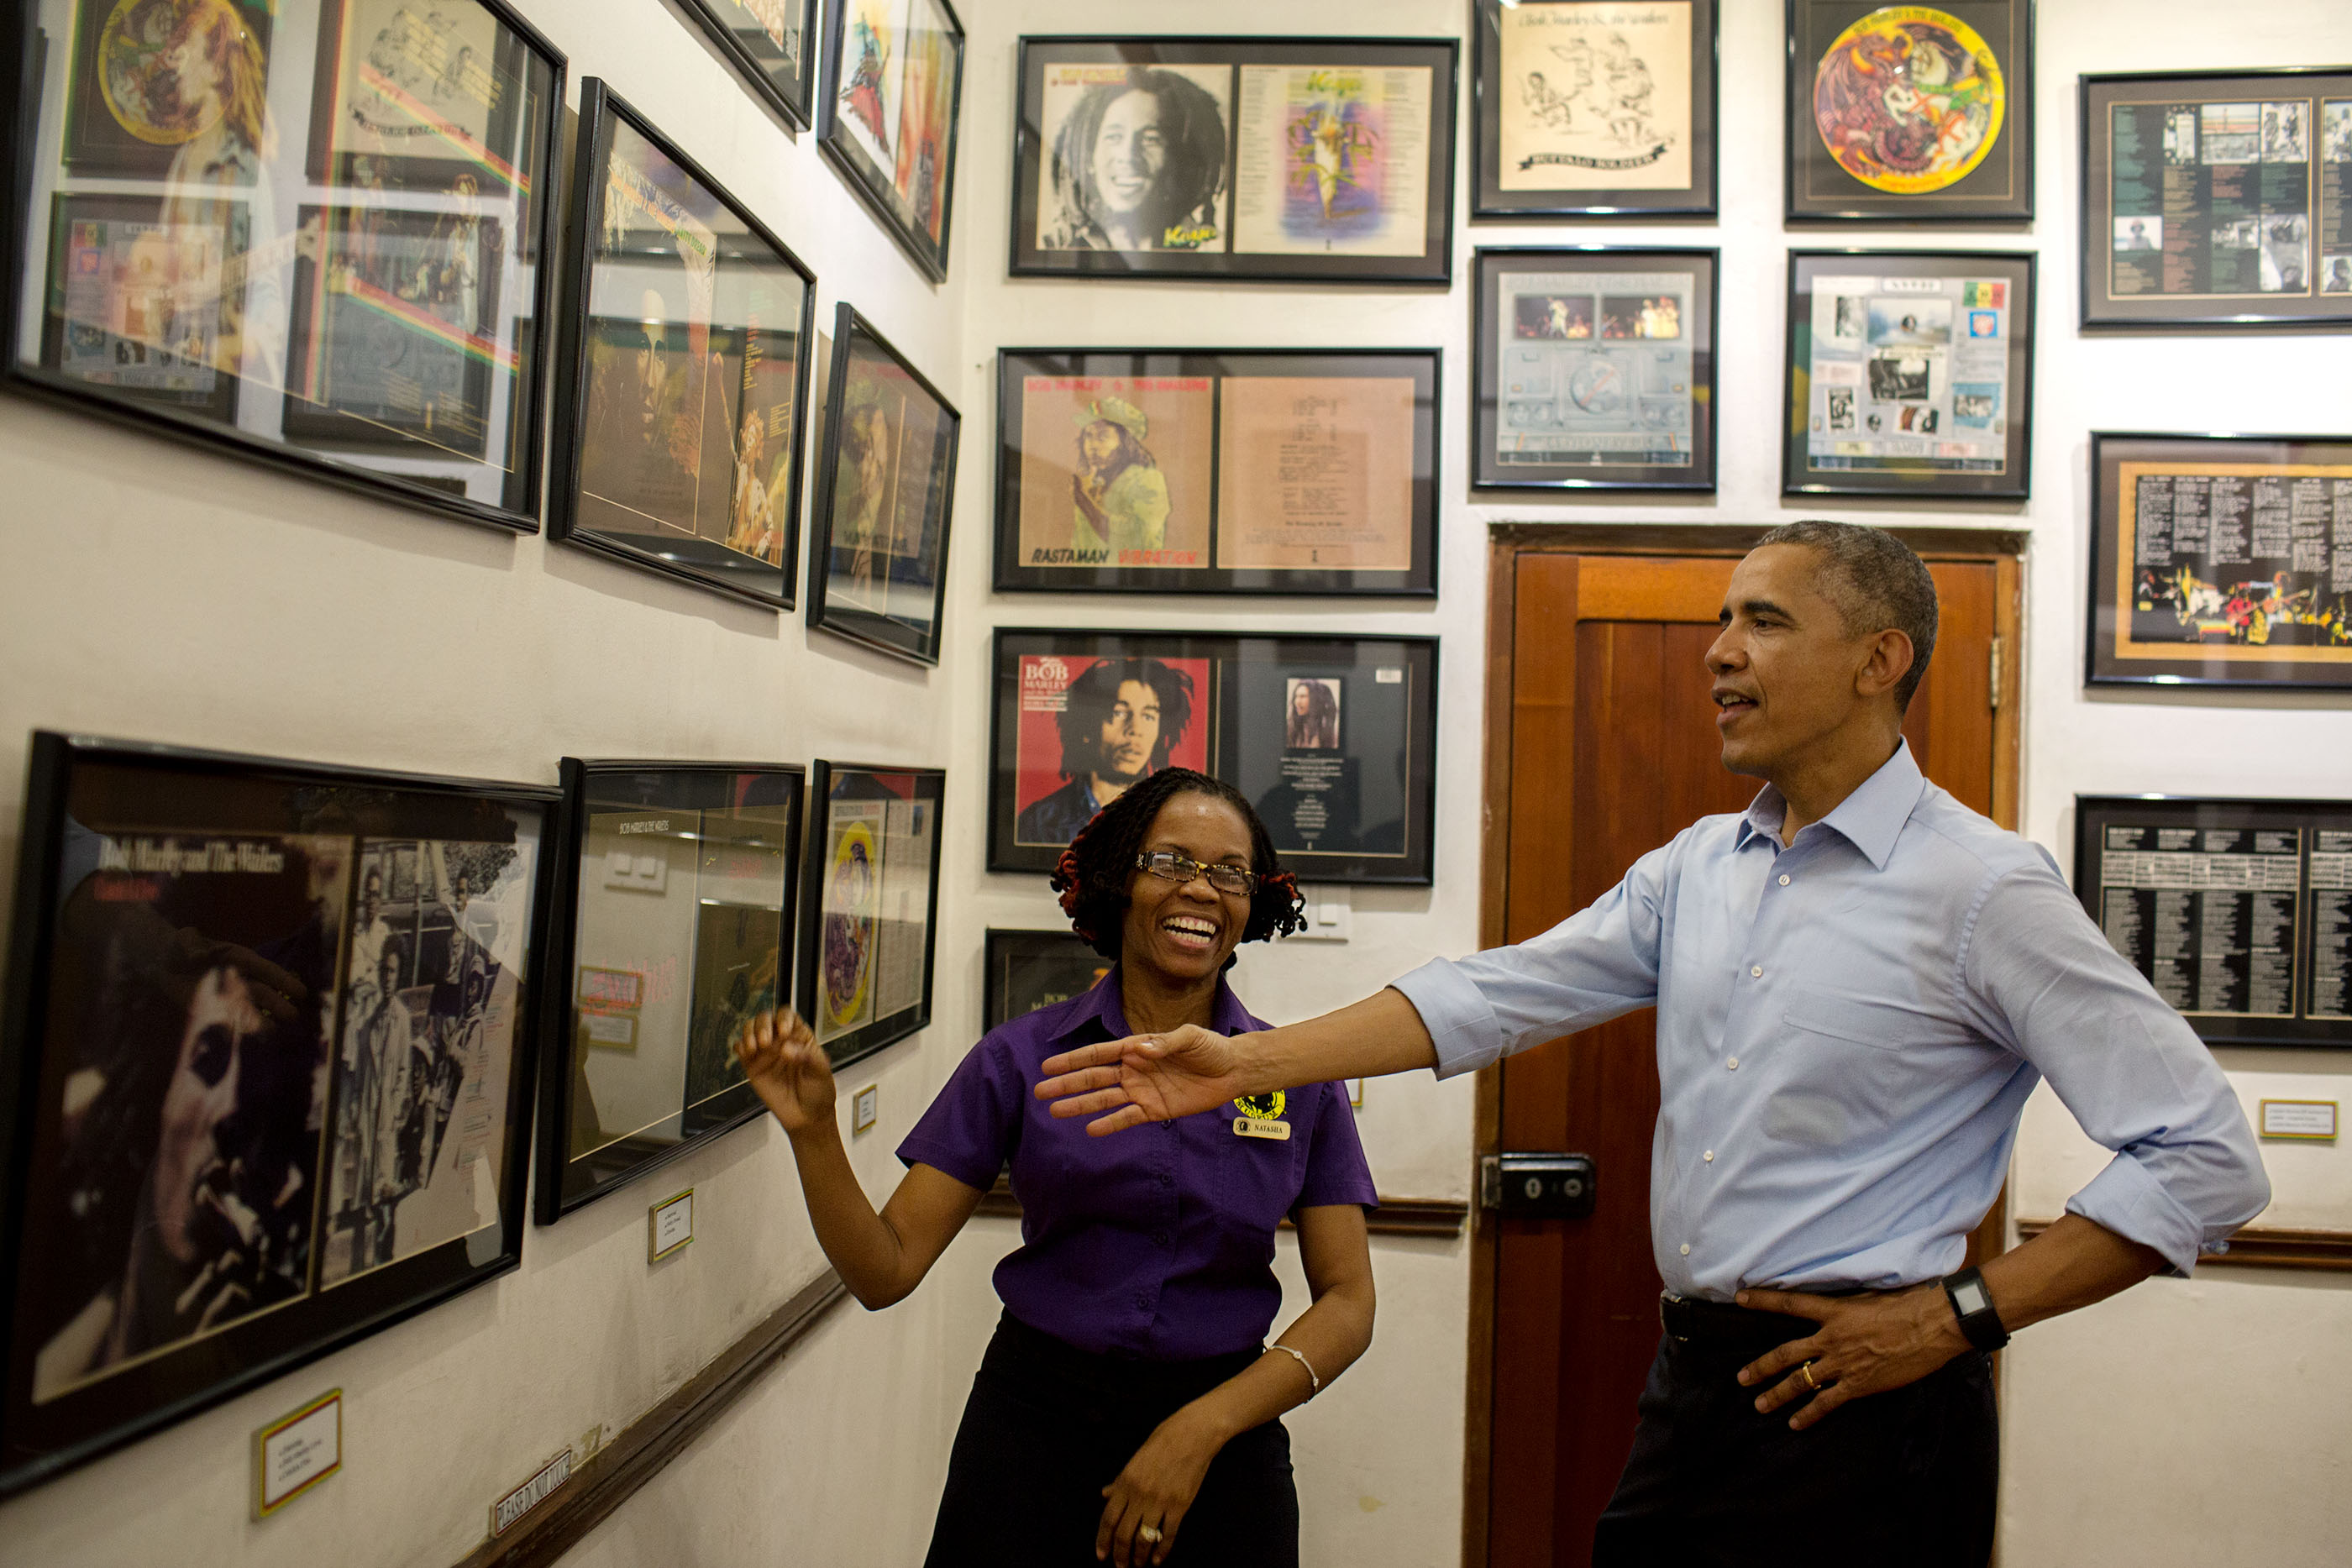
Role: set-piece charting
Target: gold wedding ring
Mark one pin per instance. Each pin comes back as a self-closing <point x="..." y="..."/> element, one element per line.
<point x="1805" y="1371"/>
<point x="1148" y="1534"/>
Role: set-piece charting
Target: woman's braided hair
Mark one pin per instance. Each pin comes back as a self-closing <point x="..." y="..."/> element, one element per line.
<point x="1093" y="873"/>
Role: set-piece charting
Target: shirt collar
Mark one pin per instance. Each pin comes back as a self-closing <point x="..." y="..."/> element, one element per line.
<point x="1870" y="819"/>
<point x="1103" y="1008"/>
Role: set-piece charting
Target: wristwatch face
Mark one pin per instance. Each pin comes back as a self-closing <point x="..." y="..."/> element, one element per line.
<point x="1971" y="1299"/>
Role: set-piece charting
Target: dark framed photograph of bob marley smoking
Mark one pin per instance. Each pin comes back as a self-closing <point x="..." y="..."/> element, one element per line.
<point x="1217" y="471"/>
<point x="683" y="370"/>
<point x="1332" y="739"/>
<point x="870" y="885"/>
<point x="675" y="885"/>
<point x="267" y="1060"/>
<point x="1284" y="160"/>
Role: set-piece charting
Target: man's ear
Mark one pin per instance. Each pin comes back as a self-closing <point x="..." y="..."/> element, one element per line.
<point x="1888" y="661"/>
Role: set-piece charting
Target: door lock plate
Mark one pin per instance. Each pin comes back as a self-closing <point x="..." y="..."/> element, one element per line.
<point x="1537" y="1185"/>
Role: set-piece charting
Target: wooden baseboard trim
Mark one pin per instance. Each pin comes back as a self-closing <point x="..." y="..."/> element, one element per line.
<point x="1441" y="1216"/>
<point x="618" y="1469"/>
<point x="2261" y="1246"/>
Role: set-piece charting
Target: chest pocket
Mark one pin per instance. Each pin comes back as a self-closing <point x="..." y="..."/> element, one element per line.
<point x="1251" y="1183"/>
<point x="1850" y="1067"/>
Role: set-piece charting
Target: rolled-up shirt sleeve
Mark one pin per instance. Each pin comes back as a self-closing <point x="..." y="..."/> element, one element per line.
<point x="1600" y="963"/>
<point x="2187" y="1171"/>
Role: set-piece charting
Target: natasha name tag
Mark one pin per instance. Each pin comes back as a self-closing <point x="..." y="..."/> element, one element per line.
<point x="1259" y="1127"/>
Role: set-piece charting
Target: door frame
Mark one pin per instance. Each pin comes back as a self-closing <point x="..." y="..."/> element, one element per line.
<point x="1506" y="543"/>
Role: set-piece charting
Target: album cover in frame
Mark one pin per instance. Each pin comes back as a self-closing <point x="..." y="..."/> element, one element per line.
<point x="2217" y="200"/>
<point x="1906" y="114"/>
<point x="877" y="559"/>
<point x="1909" y="374"/>
<point x="870" y="889"/>
<point x="1595" y="370"/>
<point x="1593" y="109"/>
<point x="2217" y="560"/>
<point x="1030" y="969"/>
<point x="2238" y="912"/>
<point x="1280" y="160"/>
<point x="267" y="1060"/>
<point x="1332" y="739"/>
<point x="1217" y="470"/>
<point x="892" y="114"/>
<point x="676" y="884"/>
<point x="684" y="369"/>
<point x="772" y="44"/>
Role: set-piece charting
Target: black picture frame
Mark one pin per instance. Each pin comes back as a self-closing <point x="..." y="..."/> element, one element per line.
<point x="240" y="406"/>
<point x="693" y="537"/>
<point x="1196" y="70"/>
<point x="1593" y="142"/>
<point x="1983" y="296"/>
<point x="1994" y="188"/>
<point x="172" y="905"/>
<point x="901" y="198"/>
<point x="2156" y="908"/>
<point x="1143" y="392"/>
<point x="1026" y="971"/>
<point x="846" y="802"/>
<point x="1562" y="371"/>
<point x="725" y="831"/>
<point x="2169" y="626"/>
<point x="848" y="576"/>
<point x="1353" y="801"/>
<point x="788" y="86"/>
<point x="2232" y="275"/>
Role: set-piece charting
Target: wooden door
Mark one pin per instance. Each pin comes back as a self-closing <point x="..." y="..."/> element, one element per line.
<point x="1613" y="750"/>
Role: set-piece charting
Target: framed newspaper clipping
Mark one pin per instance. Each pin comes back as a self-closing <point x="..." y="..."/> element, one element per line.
<point x="1033" y="970"/>
<point x="772" y="45"/>
<point x="1217" y="470"/>
<point x="870" y="884"/>
<point x="891" y="115"/>
<point x="1332" y="738"/>
<point x="1906" y="114"/>
<point x="1286" y="159"/>
<point x="676" y="884"/>
<point x="2221" y="560"/>
<point x="2238" y="912"/>
<point x="1595" y="370"/>
<point x="267" y="1047"/>
<point x="1909" y="374"/>
<point x="2217" y="199"/>
<point x="1593" y="109"/>
<point x="294" y="231"/>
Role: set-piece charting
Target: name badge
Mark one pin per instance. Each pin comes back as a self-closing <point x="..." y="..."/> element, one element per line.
<point x="1258" y="1127"/>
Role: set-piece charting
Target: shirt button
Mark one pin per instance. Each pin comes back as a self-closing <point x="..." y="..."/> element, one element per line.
<point x="1756" y="971"/>
<point x="1160" y="1238"/>
<point x="1143" y="1301"/>
<point x="1710" y="1156"/>
<point x="1686" y="1248"/>
<point x="1734" y="1064"/>
<point x="1784" y="882"/>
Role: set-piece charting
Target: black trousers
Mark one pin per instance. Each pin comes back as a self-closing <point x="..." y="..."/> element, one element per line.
<point x="1908" y="1476"/>
<point x="1048" y="1425"/>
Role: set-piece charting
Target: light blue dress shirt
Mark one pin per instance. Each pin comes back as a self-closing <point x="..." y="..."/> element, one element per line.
<point x="1848" y="1027"/>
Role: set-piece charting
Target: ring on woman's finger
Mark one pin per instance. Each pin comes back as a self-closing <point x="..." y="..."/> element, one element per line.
<point x="1148" y="1534"/>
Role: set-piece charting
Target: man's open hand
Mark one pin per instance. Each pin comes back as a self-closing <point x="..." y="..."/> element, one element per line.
<point x="1865" y="1344"/>
<point x="1144" y="1077"/>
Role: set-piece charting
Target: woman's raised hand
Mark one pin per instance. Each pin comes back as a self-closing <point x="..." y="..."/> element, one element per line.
<point x="787" y="1068"/>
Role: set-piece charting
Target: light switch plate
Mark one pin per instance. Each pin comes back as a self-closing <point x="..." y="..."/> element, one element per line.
<point x="1330" y="911"/>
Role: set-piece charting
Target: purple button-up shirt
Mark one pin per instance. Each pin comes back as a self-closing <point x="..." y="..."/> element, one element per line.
<point x="1157" y="1243"/>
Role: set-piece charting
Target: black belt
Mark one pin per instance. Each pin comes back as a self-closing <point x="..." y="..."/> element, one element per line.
<point x="1689" y="1321"/>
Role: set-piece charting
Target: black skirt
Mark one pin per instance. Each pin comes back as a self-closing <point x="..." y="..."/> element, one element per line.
<point x="1049" y="1426"/>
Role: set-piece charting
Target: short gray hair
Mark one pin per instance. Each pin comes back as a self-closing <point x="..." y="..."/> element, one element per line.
<point x="1877" y="583"/>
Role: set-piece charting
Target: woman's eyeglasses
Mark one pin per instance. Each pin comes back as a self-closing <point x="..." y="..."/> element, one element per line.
<point x="1183" y="868"/>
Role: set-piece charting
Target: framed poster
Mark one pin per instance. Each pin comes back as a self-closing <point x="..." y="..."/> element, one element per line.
<point x="674" y="883"/>
<point x="1291" y="160"/>
<point x="1595" y="370"/>
<point x="1332" y="738"/>
<point x="1217" y="471"/>
<point x="871" y="888"/>
<point x="1909" y="374"/>
<point x="772" y="43"/>
<point x="294" y="230"/>
<point x="1033" y="970"/>
<point x="892" y="107"/>
<point x="1593" y="109"/>
<point x="2217" y="199"/>
<point x="2238" y="912"/>
<point x="684" y="368"/>
<point x="878" y="560"/>
<point x="268" y="1045"/>
<point x="1911" y="114"/>
<point x="2221" y="560"/>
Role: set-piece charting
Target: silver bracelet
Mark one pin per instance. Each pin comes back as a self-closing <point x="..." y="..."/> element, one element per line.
<point x="1313" y="1383"/>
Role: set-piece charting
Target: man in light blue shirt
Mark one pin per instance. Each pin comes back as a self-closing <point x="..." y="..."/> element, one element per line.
<point x="1859" y="981"/>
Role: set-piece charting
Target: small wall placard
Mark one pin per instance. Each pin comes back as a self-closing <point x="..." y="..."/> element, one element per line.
<point x="296" y="1452"/>
<point x="864" y="1108"/>
<point x="509" y="1509"/>
<point x="669" y="1226"/>
<point x="2310" y="1120"/>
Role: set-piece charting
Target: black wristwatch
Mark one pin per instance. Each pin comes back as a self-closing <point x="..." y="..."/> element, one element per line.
<point x="1972" y="1304"/>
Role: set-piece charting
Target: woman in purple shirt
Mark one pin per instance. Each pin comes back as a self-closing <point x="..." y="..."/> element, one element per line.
<point x="1128" y="1394"/>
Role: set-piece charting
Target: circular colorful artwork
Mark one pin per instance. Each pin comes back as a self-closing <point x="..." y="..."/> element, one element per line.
<point x="848" y="947"/>
<point x="1908" y="99"/>
<point x="158" y="62"/>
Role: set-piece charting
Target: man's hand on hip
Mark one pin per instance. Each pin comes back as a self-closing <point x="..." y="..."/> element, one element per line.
<point x="1865" y="1344"/>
